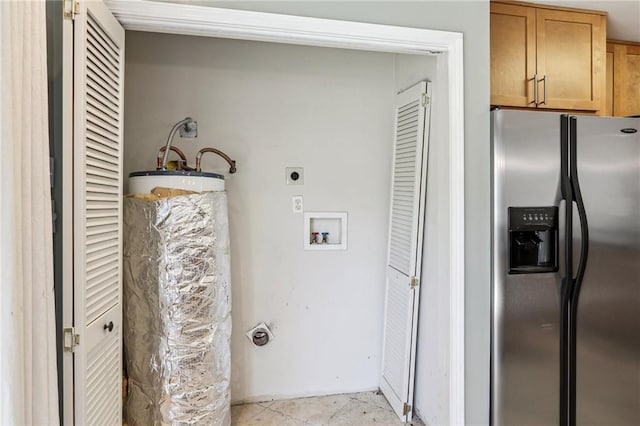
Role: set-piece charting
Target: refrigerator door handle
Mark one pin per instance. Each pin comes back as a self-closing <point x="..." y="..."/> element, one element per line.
<point x="582" y="214"/>
<point x="584" y="245"/>
<point x="567" y="196"/>
<point x="582" y="265"/>
<point x="567" y="280"/>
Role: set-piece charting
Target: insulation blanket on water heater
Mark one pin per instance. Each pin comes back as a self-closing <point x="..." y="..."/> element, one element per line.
<point x="177" y="310"/>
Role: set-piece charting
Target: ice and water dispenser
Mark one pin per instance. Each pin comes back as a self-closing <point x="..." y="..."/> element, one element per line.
<point x="533" y="240"/>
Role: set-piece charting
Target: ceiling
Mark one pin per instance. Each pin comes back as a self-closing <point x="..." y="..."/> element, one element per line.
<point x="623" y="21"/>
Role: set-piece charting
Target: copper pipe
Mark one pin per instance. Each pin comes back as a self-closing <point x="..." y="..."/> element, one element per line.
<point x="231" y="162"/>
<point x="183" y="157"/>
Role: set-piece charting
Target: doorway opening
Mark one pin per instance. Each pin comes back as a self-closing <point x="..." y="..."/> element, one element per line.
<point x="192" y="20"/>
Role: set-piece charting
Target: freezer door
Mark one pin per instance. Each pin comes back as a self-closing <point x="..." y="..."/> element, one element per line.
<point x="526" y="307"/>
<point x="608" y="323"/>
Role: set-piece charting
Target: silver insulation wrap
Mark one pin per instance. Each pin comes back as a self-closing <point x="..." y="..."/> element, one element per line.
<point x="177" y="310"/>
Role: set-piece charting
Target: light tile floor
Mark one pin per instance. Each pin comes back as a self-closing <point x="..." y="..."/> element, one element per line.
<point x="356" y="409"/>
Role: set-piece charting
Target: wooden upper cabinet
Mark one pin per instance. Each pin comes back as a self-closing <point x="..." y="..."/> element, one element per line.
<point x="546" y="57"/>
<point x="571" y="59"/>
<point x="623" y="83"/>
<point x="513" y="54"/>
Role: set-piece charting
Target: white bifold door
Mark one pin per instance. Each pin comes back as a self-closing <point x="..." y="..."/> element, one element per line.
<point x="406" y="229"/>
<point x="98" y="77"/>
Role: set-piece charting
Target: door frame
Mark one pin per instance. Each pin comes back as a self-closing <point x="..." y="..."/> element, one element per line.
<point x="173" y="18"/>
<point x="67" y="416"/>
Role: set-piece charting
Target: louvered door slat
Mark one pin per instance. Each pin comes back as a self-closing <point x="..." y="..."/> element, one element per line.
<point x="101" y="149"/>
<point x="404" y="219"/>
<point x="402" y="200"/>
<point x="402" y="204"/>
<point x="100" y="271"/>
<point x="409" y="105"/>
<point x="102" y="120"/>
<point x="98" y="172"/>
<point x="100" y="55"/>
<point x="404" y="142"/>
<point x="395" y="345"/>
<point x="408" y="122"/>
<point x="105" y="287"/>
<point x="102" y="237"/>
<point x="405" y="242"/>
<point x="99" y="34"/>
<point x="101" y="77"/>
<point x="108" y="125"/>
<point x="402" y="156"/>
<point x="100" y="156"/>
<point x="102" y="189"/>
<point x="405" y="171"/>
<point x="98" y="100"/>
<point x="402" y="224"/>
<point x="406" y="151"/>
<point x="97" y="180"/>
<point x="101" y="134"/>
<point x="94" y="81"/>
<point x="104" y="373"/>
<point x="97" y="142"/>
<point x="102" y="304"/>
<point x="98" y="83"/>
<point x="103" y="164"/>
<point x="408" y="133"/>
<point x="98" y="92"/>
<point x="408" y="112"/>
<point x="106" y="243"/>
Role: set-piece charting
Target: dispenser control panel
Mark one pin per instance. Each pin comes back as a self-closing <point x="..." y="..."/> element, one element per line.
<point x="533" y="240"/>
<point x="525" y="217"/>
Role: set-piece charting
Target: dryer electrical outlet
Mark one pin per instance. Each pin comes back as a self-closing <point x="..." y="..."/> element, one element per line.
<point x="294" y="175"/>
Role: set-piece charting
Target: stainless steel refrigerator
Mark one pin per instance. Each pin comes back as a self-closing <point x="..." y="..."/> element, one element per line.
<point x="566" y="269"/>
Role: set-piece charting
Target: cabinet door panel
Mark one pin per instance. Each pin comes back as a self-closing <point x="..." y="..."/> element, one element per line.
<point x="571" y="59"/>
<point x="632" y="91"/>
<point x="512" y="55"/>
<point x="626" y="87"/>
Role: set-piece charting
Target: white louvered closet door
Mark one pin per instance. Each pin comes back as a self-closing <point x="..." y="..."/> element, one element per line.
<point x="408" y="199"/>
<point x="97" y="214"/>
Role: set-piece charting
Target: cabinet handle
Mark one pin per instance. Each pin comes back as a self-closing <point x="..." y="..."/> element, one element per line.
<point x="109" y="326"/>
<point x="535" y="89"/>
<point x="544" y="90"/>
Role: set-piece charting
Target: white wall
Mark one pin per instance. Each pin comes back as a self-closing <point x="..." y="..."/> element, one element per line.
<point x="270" y="106"/>
<point x="471" y="18"/>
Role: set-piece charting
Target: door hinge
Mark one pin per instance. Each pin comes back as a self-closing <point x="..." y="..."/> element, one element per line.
<point x="425" y="100"/>
<point x="70" y="339"/>
<point x="406" y="409"/>
<point x="414" y="282"/>
<point x="71" y="9"/>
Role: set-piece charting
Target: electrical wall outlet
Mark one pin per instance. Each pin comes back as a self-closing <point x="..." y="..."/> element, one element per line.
<point x="297" y="204"/>
<point x="294" y="175"/>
